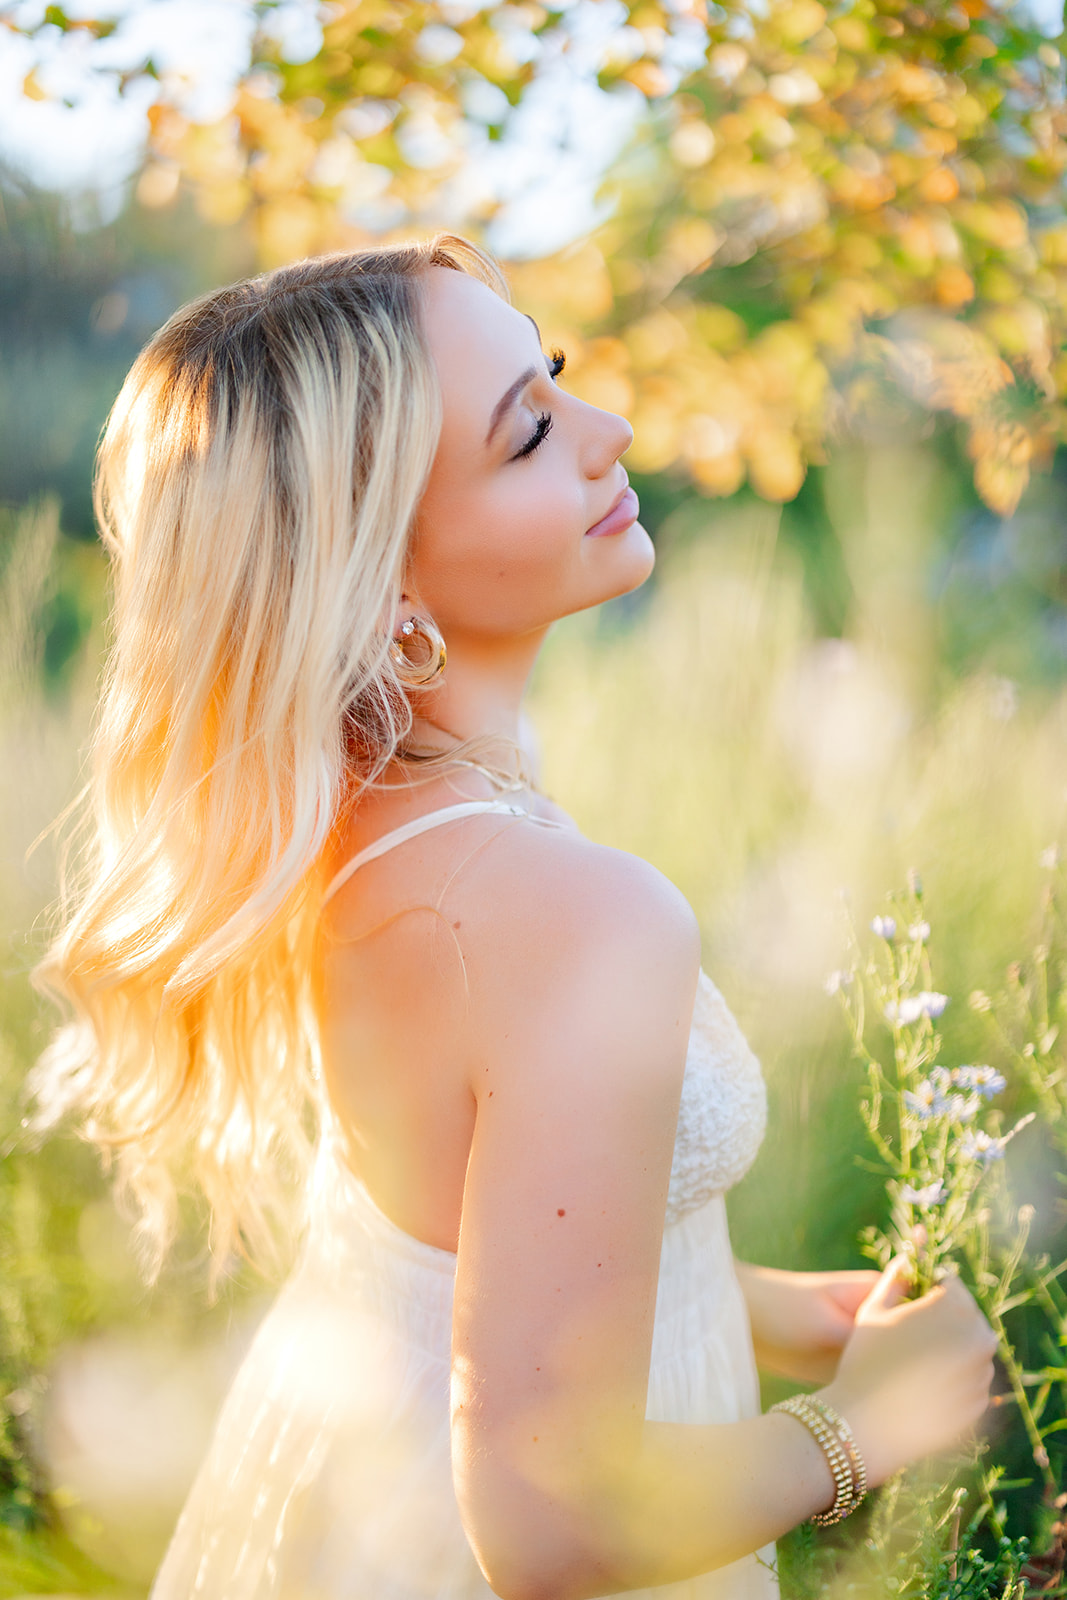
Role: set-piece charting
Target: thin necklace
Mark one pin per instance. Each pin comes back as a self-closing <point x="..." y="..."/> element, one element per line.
<point x="505" y="782"/>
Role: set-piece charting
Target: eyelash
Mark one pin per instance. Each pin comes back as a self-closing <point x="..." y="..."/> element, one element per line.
<point x="557" y="362"/>
<point x="537" y="438"/>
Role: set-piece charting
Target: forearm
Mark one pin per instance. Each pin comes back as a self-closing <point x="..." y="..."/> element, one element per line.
<point x="706" y="1496"/>
<point x="684" y="1500"/>
<point x="754" y="1283"/>
<point x="800" y="1321"/>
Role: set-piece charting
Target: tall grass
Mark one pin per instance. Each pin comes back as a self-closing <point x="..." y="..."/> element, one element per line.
<point x="781" y="779"/>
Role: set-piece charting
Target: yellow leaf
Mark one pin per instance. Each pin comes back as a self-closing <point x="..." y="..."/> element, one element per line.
<point x="691" y="243"/>
<point x="939" y="186"/>
<point x="287" y="229"/>
<point x="655" y="443"/>
<point x="719" y="327"/>
<point x="719" y="475"/>
<point x="158" y="184"/>
<point x="223" y="203"/>
<point x="653" y="340"/>
<point x="916" y="84"/>
<point x="649" y="78"/>
<point x="692" y="144"/>
<point x="775" y="463"/>
<point x="954" y="287"/>
<point x="1000" y="484"/>
<point x="798" y="22"/>
<point x="852" y="34"/>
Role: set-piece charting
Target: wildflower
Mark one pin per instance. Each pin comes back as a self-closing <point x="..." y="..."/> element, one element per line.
<point x="978" y="1000"/>
<point x="932" y="1194"/>
<point x="944" y="1094"/>
<point x="913" y="1006"/>
<point x="884" y="927"/>
<point x="919" y="931"/>
<point x="977" y="1145"/>
<point x="922" y="1100"/>
<point x="915" y="883"/>
<point x="837" y="980"/>
<point x="1050" y="858"/>
<point x="985" y="1080"/>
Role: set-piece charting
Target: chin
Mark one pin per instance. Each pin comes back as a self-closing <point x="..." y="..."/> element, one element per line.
<point x="634" y="556"/>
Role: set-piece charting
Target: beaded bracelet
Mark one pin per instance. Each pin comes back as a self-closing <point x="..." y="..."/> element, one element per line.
<point x="844" y="1432"/>
<point x="835" y="1438"/>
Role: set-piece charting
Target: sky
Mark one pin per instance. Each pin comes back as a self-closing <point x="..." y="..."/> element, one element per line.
<point x="545" y="173"/>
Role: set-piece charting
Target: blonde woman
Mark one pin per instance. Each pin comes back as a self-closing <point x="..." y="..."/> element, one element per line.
<point x="330" y="940"/>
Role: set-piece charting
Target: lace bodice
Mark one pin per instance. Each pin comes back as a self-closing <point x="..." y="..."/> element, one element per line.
<point x="723" y="1110"/>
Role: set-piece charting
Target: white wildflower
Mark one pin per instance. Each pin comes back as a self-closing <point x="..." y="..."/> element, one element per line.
<point x="932" y="1194"/>
<point x="919" y="931"/>
<point x="977" y="1145"/>
<point x="913" y="1006"/>
<point x="884" y="927"/>
<point x="943" y="1094"/>
<point x="987" y="1081"/>
<point x="922" y="1100"/>
<point x="838" y="980"/>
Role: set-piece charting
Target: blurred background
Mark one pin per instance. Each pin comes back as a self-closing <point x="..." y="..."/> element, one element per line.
<point x="818" y="255"/>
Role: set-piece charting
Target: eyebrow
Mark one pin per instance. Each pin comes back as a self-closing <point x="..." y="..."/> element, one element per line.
<point x="507" y="400"/>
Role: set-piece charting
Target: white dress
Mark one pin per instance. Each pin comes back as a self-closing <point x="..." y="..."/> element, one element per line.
<point x="329" y="1476"/>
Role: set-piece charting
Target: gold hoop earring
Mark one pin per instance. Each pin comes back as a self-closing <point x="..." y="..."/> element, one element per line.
<point x="418" y="653"/>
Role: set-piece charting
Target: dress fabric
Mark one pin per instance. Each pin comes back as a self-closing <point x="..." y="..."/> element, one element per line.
<point x="329" y="1475"/>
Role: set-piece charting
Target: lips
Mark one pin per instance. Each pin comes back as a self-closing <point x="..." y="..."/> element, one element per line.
<point x="623" y="514"/>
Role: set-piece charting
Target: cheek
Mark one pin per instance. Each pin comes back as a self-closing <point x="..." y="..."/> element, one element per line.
<point x="506" y="547"/>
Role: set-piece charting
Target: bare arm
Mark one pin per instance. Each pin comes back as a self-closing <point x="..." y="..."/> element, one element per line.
<point x="801" y="1321"/>
<point x="580" y="1019"/>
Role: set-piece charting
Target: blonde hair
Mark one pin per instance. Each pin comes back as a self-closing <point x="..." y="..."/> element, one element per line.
<point x="256" y="489"/>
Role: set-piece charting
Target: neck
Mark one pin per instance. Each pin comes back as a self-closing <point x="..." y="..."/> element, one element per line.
<point x="480" y="695"/>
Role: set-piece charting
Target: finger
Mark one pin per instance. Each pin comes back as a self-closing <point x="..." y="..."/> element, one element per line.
<point x="848" y="1290"/>
<point x="890" y="1289"/>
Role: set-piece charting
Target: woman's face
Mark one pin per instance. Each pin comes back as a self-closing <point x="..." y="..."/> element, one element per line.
<point x="527" y="515"/>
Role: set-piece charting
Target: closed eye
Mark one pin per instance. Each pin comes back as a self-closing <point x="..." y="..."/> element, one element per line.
<point x="541" y="431"/>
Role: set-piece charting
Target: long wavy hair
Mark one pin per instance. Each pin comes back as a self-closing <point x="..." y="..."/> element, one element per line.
<point x="256" y="489"/>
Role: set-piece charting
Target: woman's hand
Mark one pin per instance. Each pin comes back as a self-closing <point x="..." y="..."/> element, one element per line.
<point x="801" y="1321"/>
<point x="915" y="1375"/>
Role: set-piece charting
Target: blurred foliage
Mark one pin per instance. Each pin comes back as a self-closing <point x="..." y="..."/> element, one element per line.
<point x="829" y="217"/>
<point x="708" y="725"/>
<point x="834" y="276"/>
<point x="75" y="308"/>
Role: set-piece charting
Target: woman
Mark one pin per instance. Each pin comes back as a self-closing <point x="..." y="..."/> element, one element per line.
<point x="325" y="907"/>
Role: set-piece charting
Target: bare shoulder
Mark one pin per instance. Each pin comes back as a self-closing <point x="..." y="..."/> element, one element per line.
<point x="535" y="881"/>
<point x="551" y="922"/>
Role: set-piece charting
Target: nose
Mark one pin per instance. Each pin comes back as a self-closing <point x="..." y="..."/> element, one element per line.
<point x="610" y="436"/>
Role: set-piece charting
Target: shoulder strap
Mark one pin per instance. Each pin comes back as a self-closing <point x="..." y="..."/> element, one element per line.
<point x="411" y="830"/>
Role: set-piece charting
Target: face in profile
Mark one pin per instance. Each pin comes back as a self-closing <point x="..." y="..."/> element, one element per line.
<point x="527" y="515"/>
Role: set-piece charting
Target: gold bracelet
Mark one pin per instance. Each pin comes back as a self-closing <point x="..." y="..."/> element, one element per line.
<point x="835" y="1439"/>
<point x="844" y="1433"/>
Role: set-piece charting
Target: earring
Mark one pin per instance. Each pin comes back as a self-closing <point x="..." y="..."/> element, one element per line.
<point x="418" y="653"/>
